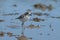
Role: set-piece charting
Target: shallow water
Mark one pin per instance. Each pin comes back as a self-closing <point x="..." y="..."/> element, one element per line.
<point x="8" y="22"/>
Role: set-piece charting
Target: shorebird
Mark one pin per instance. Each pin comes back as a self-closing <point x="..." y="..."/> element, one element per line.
<point x="24" y="17"/>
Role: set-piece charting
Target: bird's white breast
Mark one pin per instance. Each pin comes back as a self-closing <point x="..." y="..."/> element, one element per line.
<point x="25" y="18"/>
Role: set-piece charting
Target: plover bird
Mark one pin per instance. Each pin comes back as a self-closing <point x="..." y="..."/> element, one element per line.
<point x="24" y="17"/>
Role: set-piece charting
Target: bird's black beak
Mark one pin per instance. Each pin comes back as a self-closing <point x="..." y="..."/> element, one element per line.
<point x="31" y="14"/>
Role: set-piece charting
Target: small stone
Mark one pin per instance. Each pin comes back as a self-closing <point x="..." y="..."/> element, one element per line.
<point x="22" y="38"/>
<point x="1" y="34"/>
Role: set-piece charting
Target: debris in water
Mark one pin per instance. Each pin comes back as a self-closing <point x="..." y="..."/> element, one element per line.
<point x="50" y="7"/>
<point x="41" y="33"/>
<point x="52" y="17"/>
<point x="33" y="26"/>
<point x="14" y="5"/>
<point x="1" y="20"/>
<point x="38" y="14"/>
<point x="22" y="37"/>
<point x="40" y="6"/>
<point x="1" y="34"/>
<point x="46" y="14"/>
<point x="38" y="20"/>
<point x="55" y="17"/>
<point x="58" y="17"/>
<point x="43" y="7"/>
<point x="13" y="26"/>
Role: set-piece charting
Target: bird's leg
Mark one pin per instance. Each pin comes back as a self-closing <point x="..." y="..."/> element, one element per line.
<point x="22" y="28"/>
<point x="22" y="23"/>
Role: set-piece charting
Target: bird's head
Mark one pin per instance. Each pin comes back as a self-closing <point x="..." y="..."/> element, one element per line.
<point x="29" y="11"/>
